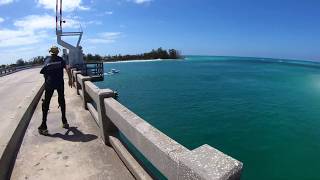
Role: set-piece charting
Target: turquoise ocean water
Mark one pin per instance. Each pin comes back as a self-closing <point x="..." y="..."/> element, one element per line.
<point x="263" y="112"/>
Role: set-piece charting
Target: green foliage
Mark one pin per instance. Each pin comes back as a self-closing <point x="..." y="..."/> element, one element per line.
<point x="20" y="62"/>
<point x="154" y="54"/>
<point x="92" y="58"/>
<point x="37" y="60"/>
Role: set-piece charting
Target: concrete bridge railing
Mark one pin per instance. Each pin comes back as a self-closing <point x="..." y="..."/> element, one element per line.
<point x="10" y="70"/>
<point x="172" y="159"/>
<point x="5" y="71"/>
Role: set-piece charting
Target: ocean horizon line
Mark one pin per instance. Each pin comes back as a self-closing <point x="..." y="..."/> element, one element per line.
<point x="257" y="57"/>
<point x="238" y="58"/>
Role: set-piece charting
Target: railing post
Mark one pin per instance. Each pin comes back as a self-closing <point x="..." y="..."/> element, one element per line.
<point x="75" y="80"/>
<point x="85" y="96"/>
<point x="72" y="70"/>
<point x="107" y="128"/>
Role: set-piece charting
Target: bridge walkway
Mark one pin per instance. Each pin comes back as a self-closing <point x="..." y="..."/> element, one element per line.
<point x="77" y="153"/>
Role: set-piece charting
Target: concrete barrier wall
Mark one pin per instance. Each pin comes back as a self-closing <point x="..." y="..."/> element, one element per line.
<point x="24" y="114"/>
<point x="169" y="157"/>
<point x="6" y="71"/>
<point x="10" y="70"/>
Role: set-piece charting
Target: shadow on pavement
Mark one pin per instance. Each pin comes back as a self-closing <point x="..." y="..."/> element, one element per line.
<point x="74" y="135"/>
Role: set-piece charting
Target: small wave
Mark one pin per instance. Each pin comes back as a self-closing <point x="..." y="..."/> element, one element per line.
<point x="108" y="74"/>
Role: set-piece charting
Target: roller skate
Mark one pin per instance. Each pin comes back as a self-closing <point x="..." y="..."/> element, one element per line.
<point x="65" y="124"/>
<point x="43" y="130"/>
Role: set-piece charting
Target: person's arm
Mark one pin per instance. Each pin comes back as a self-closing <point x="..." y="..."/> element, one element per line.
<point x="68" y="69"/>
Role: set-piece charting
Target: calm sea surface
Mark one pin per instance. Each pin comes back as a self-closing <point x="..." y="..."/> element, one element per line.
<point x="263" y="112"/>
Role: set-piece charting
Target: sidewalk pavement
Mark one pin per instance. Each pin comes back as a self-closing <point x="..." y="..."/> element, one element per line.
<point x="77" y="153"/>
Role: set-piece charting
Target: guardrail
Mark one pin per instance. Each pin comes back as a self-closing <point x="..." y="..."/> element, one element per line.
<point x="10" y="70"/>
<point x="5" y="71"/>
<point x="172" y="159"/>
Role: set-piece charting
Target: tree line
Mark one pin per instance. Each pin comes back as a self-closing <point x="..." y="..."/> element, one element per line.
<point x="153" y="54"/>
<point x="39" y="60"/>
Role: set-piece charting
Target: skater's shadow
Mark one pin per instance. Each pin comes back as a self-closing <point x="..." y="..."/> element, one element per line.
<point x="74" y="135"/>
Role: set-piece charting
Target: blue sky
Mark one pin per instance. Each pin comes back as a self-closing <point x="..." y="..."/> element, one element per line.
<point x="263" y="28"/>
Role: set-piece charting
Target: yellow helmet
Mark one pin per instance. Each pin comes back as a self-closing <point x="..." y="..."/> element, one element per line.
<point x="54" y="50"/>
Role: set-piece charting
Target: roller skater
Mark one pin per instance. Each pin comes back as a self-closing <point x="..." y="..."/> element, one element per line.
<point x="53" y="74"/>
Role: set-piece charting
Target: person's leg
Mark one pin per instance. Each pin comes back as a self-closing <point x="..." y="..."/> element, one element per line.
<point x="45" y="107"/>
<point x="62" y="105"/>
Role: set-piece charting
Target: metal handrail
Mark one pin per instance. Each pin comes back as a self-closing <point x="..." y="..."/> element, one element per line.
<point x="92" y="69"/>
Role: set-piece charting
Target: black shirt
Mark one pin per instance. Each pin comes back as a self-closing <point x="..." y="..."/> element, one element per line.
<point x="53" y="71"/>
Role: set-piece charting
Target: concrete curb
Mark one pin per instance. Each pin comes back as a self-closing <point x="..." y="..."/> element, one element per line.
<point x="24" y="115"/>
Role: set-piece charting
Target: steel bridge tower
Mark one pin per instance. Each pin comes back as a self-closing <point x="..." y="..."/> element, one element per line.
<point x="73" y="53"/>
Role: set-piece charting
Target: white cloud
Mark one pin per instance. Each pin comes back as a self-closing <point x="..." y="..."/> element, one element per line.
<point x="11" y="38"/>
<point x="68" y="5"/>
<point x="31" y="29"/>
<point x="105" y="38"/>
<point x="141" y="1"/>
<point x="36" y="22"/>
<point x="1" y="19"/>
<point x="110" y="35"/>
<point x="93" y="22"/>
<point x="108" y="12"/>
<point x="3" y="2"/>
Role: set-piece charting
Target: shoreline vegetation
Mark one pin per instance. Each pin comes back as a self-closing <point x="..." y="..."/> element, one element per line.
<point x="152" y="55"/>
<point x="35" y="61"/>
